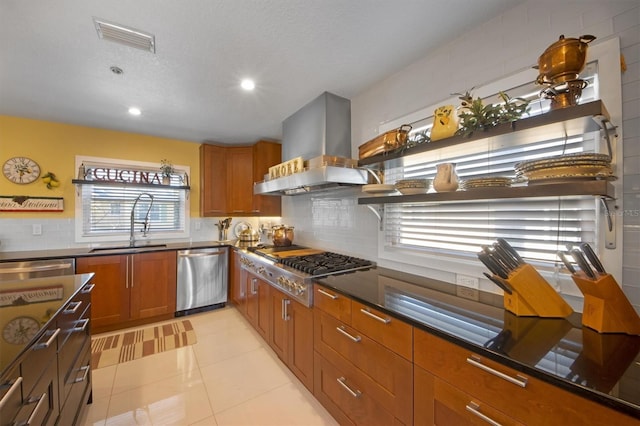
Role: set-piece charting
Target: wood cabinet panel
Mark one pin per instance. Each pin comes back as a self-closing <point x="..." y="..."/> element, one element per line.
<point x="131" y="289"/>
<point x="265" y="155"/>
<point x="110" y="294"/>
<point x="213" y="177"/>
<point x="334" y="304"/>
<point x="536" y="403"/>
<point x="346" y="393"/>
<point x="153" y="284"/>
<point x="300" y="351"/>
<point x="423" y="396"/>
<point x="279" y="340"/>
<point x="388" y="331"/>
<point x="393" y="383"/>
<point x="227" y="174"/>
<point x="240" y="180"/>
<point x="452" y="407"/>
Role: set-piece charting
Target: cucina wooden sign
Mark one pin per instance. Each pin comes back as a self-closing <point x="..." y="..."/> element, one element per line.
<point x="122" y="175"/>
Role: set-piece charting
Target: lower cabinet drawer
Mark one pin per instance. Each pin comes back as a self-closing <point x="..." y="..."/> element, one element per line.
<point x="10" y="396"/>
<point x="453" y="407"/>
<point x="78" y="385"/>
<point x="345" y="394"/>
<point x="72" y="350"/>
<point x="40" y="407"/>
<point x="333" y="303"/>
<point x="38" y="358"/>
<point x="526" y="399"/>
<point x="390" y="374"/>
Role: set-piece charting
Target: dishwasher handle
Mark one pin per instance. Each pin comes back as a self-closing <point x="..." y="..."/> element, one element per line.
<point x="207" y="254"/>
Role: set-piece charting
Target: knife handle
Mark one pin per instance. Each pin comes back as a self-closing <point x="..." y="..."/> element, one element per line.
<point x="582" y="262"/>
<point x="593" y="257"/>
<point x="499" y="283"/>
<point x="566" y="262"/>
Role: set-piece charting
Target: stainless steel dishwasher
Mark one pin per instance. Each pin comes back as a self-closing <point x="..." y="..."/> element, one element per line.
<point x="202" y="280"/>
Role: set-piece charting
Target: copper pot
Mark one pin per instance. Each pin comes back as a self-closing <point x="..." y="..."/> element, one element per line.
<point x="563" y="60"/>
<point x="282" y="235"/>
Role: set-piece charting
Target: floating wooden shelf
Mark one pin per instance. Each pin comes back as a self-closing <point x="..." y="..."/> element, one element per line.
<point x="572" y="121"/>
<point x="146" y="185"/>
<point x="599" y="188"/>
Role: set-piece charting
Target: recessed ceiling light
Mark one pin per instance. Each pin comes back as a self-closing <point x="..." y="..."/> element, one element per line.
<point x="248" y="84"/>
<point x="134" y="111"/>
<point x="116" y="70"/>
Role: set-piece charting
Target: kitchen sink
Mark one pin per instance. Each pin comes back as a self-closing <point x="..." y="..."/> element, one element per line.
<point x="127" y="248"/>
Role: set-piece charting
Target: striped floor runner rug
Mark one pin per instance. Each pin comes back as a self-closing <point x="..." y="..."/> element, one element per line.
<point x="130" y="345"/>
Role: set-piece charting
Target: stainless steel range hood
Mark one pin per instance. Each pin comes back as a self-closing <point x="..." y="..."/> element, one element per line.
<point x="320" y="128"/>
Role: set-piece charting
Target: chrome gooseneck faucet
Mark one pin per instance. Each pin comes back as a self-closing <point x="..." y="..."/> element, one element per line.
<point x="145" y="223"/>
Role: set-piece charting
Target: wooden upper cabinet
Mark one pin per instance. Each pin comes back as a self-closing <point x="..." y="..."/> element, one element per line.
<point x="265" y="155"/>
<point x="213" y="178"/>
<point x="227" y="175"/>
<point x="240" y="180"/>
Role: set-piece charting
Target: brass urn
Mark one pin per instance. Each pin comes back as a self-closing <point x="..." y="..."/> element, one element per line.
<point x="560" y="66"/>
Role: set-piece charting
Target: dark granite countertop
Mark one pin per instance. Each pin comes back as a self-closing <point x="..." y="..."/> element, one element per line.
<point x="601" y="367"/>
<point x="107" y="249"/>
<point x="26" y="309"/>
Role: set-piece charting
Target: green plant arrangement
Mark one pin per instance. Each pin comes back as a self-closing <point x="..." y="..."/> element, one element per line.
<point x="166" y="168"/>
<point x="475" y="115"/>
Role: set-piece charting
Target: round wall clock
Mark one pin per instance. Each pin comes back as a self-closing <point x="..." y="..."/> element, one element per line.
<point x="21" y="170"/>
<point x="20" y="330"/>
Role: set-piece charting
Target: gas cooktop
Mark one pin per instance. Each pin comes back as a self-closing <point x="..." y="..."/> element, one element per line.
<point x="294" y="268"/>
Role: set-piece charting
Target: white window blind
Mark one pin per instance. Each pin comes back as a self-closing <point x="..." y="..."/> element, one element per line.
<point x="107" y="209"/>
<point x="536" y="227"/>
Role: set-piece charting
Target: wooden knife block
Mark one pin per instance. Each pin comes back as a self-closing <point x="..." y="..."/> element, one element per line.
<point x="533" y="295"/>
<point x="606" y="308"/>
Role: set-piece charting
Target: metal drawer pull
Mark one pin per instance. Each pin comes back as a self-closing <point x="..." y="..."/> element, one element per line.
<point x="355" y="339"/>
<point x="374" y="316"/>
<point x="253" y="286"/>
<point x="14" y="386"/>
<point x="48" y="342"/>
<point x="329" y="295"/>
<point x="520" y="381"/>
<point x="83" y="327"/>
<point x="43" y="398"/>
<point x="86" y="370"/>
<point x="87" y="289"/>
<point x="72" y="310"/>
<point x="474" y="408"/>
<point x="285" y="309"/>
<point x="355" y="394"/>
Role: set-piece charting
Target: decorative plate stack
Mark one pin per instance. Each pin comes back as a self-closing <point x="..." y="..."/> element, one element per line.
<point x="413" y="186"/>
<point x="486" y="182"/>
<point x="567" y="167"/>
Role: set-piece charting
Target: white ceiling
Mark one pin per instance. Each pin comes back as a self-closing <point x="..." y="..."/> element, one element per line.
<point x="54" y="67"/>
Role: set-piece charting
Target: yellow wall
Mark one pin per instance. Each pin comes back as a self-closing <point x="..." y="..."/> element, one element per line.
<point x="54" y="147"/>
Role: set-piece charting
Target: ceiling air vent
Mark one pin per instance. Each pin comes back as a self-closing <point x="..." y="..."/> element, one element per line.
<point x="125" y="35"/>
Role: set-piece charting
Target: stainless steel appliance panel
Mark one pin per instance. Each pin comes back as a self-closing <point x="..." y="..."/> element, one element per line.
<point x="202" y="278"/>
<point x="36" y="268"/>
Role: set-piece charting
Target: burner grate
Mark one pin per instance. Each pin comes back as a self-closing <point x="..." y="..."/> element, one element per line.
<point x="325" y="263"/>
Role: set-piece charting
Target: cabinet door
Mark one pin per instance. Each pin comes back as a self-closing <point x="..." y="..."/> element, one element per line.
<point x="110" y="304"/>
<point x="153" y="284"/>
<point x="236" y="287"/>
<point x="213" y="180"/>
<point x="265" y="155"/>
<point x="239" y="180"/>
<point x="300" y="351"/>
<point x="251" y="312"/>
<point x="279" y="334"/>
<point x="263" y="323"/>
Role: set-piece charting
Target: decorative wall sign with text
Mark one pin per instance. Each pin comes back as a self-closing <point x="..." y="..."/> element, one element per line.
<point x="31" y="295"/>
<point x="26" y="203"/>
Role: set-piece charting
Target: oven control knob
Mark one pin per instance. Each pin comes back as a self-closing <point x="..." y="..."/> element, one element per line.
<point x="261" y="270"/>
<point x="282" y="281"/>
<point x="300" y="288"/>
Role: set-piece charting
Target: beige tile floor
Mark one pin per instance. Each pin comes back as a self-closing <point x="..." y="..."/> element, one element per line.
<point x="229" y="377"/>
